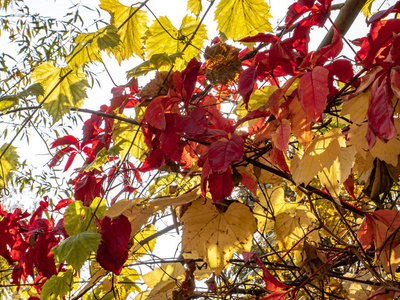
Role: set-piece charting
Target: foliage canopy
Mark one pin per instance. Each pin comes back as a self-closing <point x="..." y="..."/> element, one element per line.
<point x="277" y="165"/>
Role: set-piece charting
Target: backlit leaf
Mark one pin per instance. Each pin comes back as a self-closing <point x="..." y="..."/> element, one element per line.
<point x="167" y="39"/>
<point x="313" y="91"/>
<point x="321" y="153"/>
<point x="216" y="235"/>
<point x="77" y="218"/>
<point x="194" y="6"/>
<point x="76" y="249"/>
<point x="8" y="163"/>
<point x="57" y="286"/>
<point x="89" y="46"/>
<point x="131" y="33"/>
<point x="238" y="19"/>
<point x="158" y="61"/>
<point x="69" y="88"/>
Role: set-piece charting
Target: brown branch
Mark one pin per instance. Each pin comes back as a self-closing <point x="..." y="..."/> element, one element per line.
<point x="347" y="15"/>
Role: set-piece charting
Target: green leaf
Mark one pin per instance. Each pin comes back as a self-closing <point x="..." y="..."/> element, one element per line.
<point x="77" y="218"/>
<point x="194" y="6"/>
<point x="69" y="88"/>
<point x="57" y="286"/>
<point x="165" y="38"/>
<point x="238" y="19"/>
<point x="76" y="249"/>
<point x="8" y="163"/>
<point x="9" y="101"/>
<point x="131" y="32"/>
<point x="158" y="61"/>
<point x="101" y="159"/>
<point x="99" y="206"/>
<point x="89" y="46"/>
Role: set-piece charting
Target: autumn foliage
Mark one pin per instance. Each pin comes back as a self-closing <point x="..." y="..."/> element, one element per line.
<point x="276" y="165"/>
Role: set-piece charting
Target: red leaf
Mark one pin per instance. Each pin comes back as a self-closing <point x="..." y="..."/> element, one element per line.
<point x="313" y="91"/>
<point x="63" y="203"/>
<point x="223" y="153"/>
<point x="192" y="125"/>
<point x="65" y="140"/>
<point x="395" y="81"/>
<point x="260" y="38"/>
<point x="154" y="114"/>
<point x="380" y="111"/>
<point x="278" y="295"/>
<point x="365" y="233"/>
<point x="349" y="185"/>
<point x="296" y="10"/>
<point x="155" y="160"/>
<point x="282" y="135"/>
<point x="272" y="284"/>
<point x="44" y="257"/>
<point x="246" y="83"/>
<point x="60" y="154"/>
<point x="113" y="250"/>
<point x="220" y="185"/>
<point x="278" y="158"/>
<point x="341" y="68"/>
<point x="190" y="77"/>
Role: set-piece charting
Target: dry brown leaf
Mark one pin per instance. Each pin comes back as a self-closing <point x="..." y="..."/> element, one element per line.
<point x="217" y="235"/>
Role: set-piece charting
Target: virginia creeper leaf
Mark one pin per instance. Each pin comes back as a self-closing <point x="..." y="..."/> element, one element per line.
<point x="223" y="152"/>
<point x="76" y="249"/>
<point x="238" y="19"/>
<point x="131" y="32"/>
<point x="69" y="88"/>
<point x="313" y="91"/>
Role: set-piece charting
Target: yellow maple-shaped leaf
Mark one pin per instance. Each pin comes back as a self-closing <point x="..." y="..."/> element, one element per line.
<point x="123" y="135"/>
<point x="164" y="279"/>
<point x="8" y="163"/>
<point x="89" y="46"/>
<point x="64" y="88"/>
<point x="272" y="203"/>
<point x="290" y="229"/>
<point x="217" y="235"/>
<point x="321" y="153"/>
<point x="194" y="6"/>
<point x="130" y="32"/>
<point x="338" y="172"/>
<point x="167" y="39"/>
<point x="238" y="19"/>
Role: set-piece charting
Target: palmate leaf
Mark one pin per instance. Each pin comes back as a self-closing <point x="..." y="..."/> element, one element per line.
<point x="77" y="218"/>
<point x="216" y="235"/>
<point x="57" y="286"/>
<point x="165" y="38"/>
<point x="238" y="19"/>
<point x="69" y="88"/>
<point x="8" y="163"/>
<point x="194" y="6"/>
<point x="130" y="33"/>
<point x="76" y="249"/>
<point x="89" y="45"/>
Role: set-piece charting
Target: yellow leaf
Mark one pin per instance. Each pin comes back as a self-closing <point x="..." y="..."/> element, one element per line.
<point x="201" y="272"/>
<point x="123" y="135"/>
<point x="194" y="6"/>
<point x="8" y="163"/>
<point x="290" y="229"/>
<point x="320" y="154"/>
<point x="137" y="250"/>
<point x="366" y="9"/>
<point x="69" y="88"/>
<point x="356" y="107"/>
<point x="355" y="290"/>
<point x="238" y="19"/>
<point x="259" y="97"/>
<point x="338" y="172"/>
<point x="167" y="39"/>
<point x="131" y="33"/>
<point x="271" y="200"/>
<point x="216" y="235"/>
<point x="164" y="279"/>
<point x="89" y="46"/>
